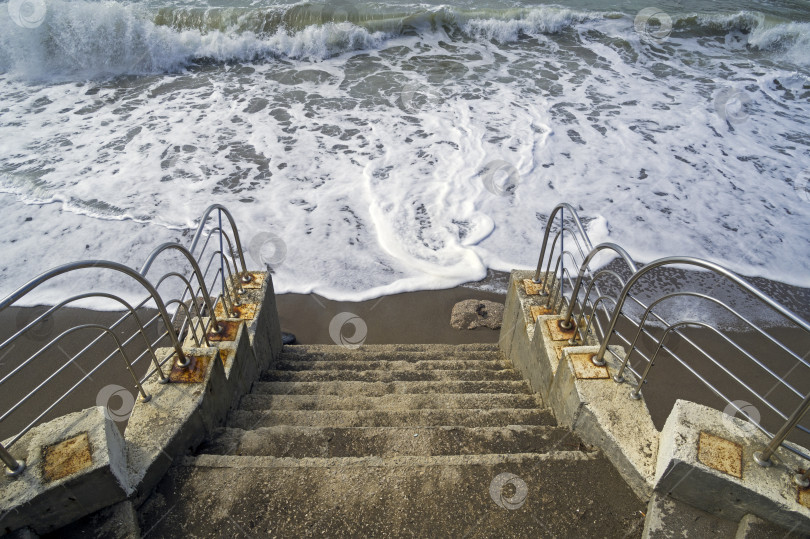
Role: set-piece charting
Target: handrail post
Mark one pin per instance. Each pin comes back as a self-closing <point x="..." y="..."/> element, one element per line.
<point x="763" y="458"/>
<point x="14" y="467"/>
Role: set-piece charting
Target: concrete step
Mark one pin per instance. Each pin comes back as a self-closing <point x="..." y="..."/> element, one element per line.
<point x="557" y="494"/>
<point x="361" y="354"/>
<point x="394" y="365"/>
<point x="377" y="389"/>
<point x="483" y="401"/>
<point x="251" y="419"/>
<point x="379" y="350"/>
<point x="327" y="442"/>
<point x="389" y="376"/>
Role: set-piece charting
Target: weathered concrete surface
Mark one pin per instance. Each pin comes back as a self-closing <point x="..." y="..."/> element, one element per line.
<point x="376" y="458"/>
<point x="668" y="518"/>
<point x="327" y="442"/>
<point x="473" y="313"/>
<point x="119" y="521"/>
<point x="80" y="479"/>
<point x="174" y="421"/>
<point x="264" y="330"/>
<point x="483" y="401"/>
<point x="768" y="493"/>
<point x="440" y="497"/>
<point x="602" y="413"/>
<point x="239" y="362"/>
<point x="753" y="527"/>
<point x="525" y="339"/>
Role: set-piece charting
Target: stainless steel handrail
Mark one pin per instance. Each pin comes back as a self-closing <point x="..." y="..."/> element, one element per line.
<point x="607" y="246"/>
<point x="98" y="264"/>
<point x="559" y="208"/>
<point x="55" y="308"/>
<point x="216" y="327"/>
<point x="778" y="439"/>
<point x="246" y="277"/>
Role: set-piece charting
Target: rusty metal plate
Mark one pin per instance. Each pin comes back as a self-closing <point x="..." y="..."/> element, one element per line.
<point x="532" y="288"/>
<point x="721" y="454"/>
<point x="538" y="310"/>
<point x="66" y="458"/>
<point x="246" y="311"/>
<point x="558" y="333"/>
<point x="584" y="369"/>
<point x="803" y="496"/>
<point x="256" y="282"/>
<point x="193" y="374"/>
<point x="229" y="330"/>
<point x="227" y="355"/>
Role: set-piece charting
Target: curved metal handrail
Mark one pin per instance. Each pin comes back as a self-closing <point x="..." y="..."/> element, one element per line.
<point x="559" y="208"/>
<point x="586" y="300"/>
<point x="222" y="209"/>
<point x="216" y="327"/>
<point x="144" y="396"/>
<point x="79" y="297"/>
<point x="583" y="268"/>
<point x="761" y="457"/>
<point x="705" y="264"/>
<point x="103" y="264"/>
<point x="729" y="309"/>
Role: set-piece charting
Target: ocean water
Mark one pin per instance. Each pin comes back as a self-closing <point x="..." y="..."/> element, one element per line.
<point x="373" y="148"/>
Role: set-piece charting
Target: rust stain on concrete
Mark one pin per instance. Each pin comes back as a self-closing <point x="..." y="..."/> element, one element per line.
<point x="246" y="311"/>
<point x="584" y="369"/>
<point x="256" y="282"/>
<point x="194" y="373"/>
<point x="229" y="330"/>
<point x="66" y="458"/>
<point x="558" y="333"/>
<point x="532" y="288"/>
<point x="558" y="348"/>
<point x="721" y="454"/>
<point x="538" y="310"/>
<point x="803" y="496"/>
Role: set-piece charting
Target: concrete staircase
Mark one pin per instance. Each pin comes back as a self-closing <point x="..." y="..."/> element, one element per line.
<point x="393" y="440"/>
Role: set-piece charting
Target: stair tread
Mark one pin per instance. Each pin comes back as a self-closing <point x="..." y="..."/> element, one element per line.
<point x="424" y="417"/>
<point x="303" y="441"/>
<point x="391" y="365"/>
<point x="442" y="496"/>
<point x="389" y="348"/>
<point x="389" y="402"/>
<point x="389" y="376"/>
<point x="372" y="389"/>
<point x="363" y="355"/>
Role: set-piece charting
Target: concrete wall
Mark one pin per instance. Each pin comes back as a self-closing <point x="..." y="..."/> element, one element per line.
<point x="685" y="461"/>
